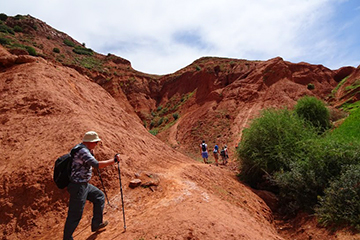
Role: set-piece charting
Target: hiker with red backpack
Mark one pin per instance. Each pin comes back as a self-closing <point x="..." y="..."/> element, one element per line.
<point x="204" y="152"/>
<point x="79" y="188"/>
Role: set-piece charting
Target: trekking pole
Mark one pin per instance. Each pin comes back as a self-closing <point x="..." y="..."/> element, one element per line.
<point x="102" y="183"/>
<point x="121" y="192"/>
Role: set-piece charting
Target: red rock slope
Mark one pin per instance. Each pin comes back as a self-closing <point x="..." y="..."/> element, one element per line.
<point x="45" y="110"/>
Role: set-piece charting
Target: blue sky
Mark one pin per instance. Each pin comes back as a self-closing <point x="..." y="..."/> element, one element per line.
<point x="163" y="36"/>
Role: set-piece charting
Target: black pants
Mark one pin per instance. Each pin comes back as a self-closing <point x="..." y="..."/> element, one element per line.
<point x="79" y="193"/>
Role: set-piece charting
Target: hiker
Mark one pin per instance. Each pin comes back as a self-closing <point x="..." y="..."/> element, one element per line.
<point x="79" y="188"/>
<point x="224" y="155"/>
<point x="216" y="154"/>
<point x="204" y="152"/>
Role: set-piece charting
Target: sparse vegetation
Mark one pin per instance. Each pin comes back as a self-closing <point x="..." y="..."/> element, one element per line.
<point x="89" y="63"/>
<point x="165" y="116"/>
<point x="333" y="92"/>
<point x="353" y="86"/>
<point x="56" y="50"/>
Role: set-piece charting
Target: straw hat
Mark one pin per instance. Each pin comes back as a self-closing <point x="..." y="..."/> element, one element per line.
<point x="91" y="137"/>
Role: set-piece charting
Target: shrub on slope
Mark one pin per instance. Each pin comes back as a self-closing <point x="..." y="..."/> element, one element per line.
<point x="282" y="150"/>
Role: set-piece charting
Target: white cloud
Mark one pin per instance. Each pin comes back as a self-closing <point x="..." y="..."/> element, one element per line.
<point x="162" y="36"/>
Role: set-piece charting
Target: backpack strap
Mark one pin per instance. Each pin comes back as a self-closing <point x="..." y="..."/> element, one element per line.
<point x="76" y="149"/>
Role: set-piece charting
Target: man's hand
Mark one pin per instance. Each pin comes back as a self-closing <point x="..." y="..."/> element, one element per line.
<point x="117" y="158"/>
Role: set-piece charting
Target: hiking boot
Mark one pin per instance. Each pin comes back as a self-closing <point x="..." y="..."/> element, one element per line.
<point x="101" y="226"/>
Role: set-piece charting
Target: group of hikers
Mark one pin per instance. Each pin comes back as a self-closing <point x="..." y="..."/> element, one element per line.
<point x="216" y="152"/>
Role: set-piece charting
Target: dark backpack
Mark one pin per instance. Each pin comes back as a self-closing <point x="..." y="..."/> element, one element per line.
<point x="203" y="146"/>
<point x="62" y="169"/>
<point x="222" y="153"/>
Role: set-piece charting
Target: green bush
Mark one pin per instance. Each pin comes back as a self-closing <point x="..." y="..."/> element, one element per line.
<point x="297" y="187"/>
<point x="154" y="131"/>
<point x="316" y="164"/>
<point x="34" y="27"/>
<point x="270" y="144"/>
<point x="175" y="116"/>
<point x="19" y="17"/>
<point x="161" y="120"/>
<point x="6" y="29"/>
<point x="56" y="50"/>
<point x="3" y="17"/>
<point x="4" y="41"/>
<point x="83" y="51"/>
<point x="311" y="86"/>
<point x="152" y="123"/>
<point x="69" y="43"/>
<point x="18" y="28"/>
<point x="314" y="111"/>
<point x="341" y="203"/>
<point x="163" y="111"/>
<point x="31" y="50"/>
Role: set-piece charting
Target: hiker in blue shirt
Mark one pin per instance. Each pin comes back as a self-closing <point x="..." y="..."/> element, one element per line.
<point x="79" y="188"/>
<point x="216" y="154"/>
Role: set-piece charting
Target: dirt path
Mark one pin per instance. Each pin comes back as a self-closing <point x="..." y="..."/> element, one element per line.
<point x="186" y="205"/>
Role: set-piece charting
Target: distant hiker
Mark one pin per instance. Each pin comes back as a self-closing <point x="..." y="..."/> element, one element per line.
<point x="216" y="154"/>
<point x="224" y="155"/>
<point x="204" y="152"/>
<point x="79" y="188"/>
